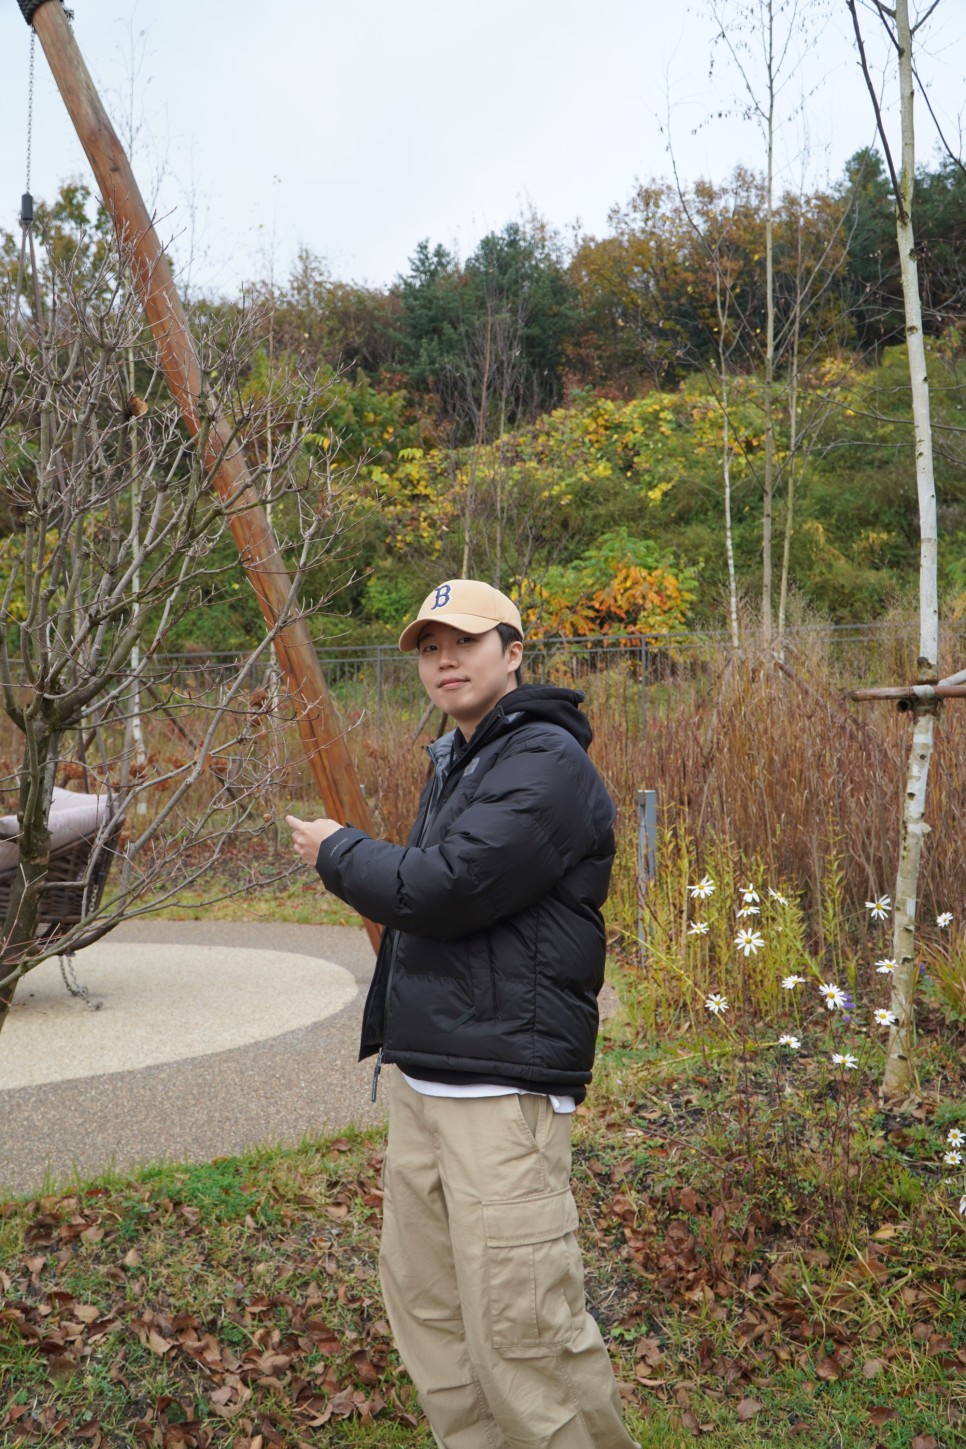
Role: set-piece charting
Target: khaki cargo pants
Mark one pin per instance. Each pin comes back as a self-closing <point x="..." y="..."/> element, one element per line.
<point x="483" y="1279"/>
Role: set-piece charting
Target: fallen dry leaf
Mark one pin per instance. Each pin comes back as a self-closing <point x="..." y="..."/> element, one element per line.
<point x="747" y="1409"/>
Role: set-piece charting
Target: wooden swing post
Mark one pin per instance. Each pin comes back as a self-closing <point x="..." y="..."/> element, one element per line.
<point x="319" y="727"/>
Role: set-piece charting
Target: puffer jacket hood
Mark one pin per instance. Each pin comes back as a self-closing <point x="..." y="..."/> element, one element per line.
<point x="551" y="704"/>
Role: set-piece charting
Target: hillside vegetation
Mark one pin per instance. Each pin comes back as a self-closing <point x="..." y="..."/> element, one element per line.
<point x="561" y="420"/>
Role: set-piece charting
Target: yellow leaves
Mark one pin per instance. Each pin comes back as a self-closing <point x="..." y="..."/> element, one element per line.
<point x="619" y="587"/>
<point x="869" y="546"/>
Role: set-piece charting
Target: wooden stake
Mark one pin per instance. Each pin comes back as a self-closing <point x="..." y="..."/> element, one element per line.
<point x="318" y="725"/>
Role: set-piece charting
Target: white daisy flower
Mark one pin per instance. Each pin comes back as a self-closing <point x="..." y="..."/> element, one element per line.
<point x="834" y="995"/>
<point x="748" y="911"/>
<point x="843" y="1059"/>
<point x="952" y="1159"/>
<point x="885" y="1018"/>
<point x="703" y="889"/>
<point x="962" y="1205"/>
<point x="880" y="907"/>
<point x="698" y="928"/>
<point x="885" y="967"/>
<point x="790" y="1041"/>
<point x="944" y="919"/>
<point x="776" y="896"/>
<point x="955" y="1137"/>
<point x="750" y="896"/>
<point x="716" y="1004"/>
<point x="750" y="942"/>
<point x="790" y="982"/>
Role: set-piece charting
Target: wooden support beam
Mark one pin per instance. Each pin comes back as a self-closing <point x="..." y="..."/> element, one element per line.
<point x="911" y="692"/>
<point x="319" y="727"/>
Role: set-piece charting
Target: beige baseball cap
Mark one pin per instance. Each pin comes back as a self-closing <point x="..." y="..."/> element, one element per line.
<point x="464" y="604"/>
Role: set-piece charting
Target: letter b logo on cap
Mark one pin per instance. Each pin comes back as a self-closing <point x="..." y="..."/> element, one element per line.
<point x="441" y="598"/>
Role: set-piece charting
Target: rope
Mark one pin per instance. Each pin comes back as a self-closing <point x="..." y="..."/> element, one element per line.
<point x="29" y="9"/>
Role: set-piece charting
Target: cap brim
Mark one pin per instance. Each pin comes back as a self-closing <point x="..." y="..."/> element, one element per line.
<point x="471" y="623"/>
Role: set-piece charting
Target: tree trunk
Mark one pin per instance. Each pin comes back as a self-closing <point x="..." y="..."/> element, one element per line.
<point x="36" y="793"/>
<point x="769" y="491"/>
<point x="792" y="444"/>
<point x="726" y="456"/>
<point x="898" y="1076"/>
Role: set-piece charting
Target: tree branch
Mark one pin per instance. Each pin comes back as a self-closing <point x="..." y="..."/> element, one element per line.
<point x="879" y="124"/>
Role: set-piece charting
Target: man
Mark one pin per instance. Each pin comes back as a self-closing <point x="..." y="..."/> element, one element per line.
<point x="485" y="997"/>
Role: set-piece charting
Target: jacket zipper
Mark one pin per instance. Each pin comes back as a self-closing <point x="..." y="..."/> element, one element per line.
<point x="432" y="809"/>
<point x="392" y="965"/>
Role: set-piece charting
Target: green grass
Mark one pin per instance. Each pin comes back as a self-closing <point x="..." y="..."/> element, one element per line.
<point x="207" y="1304"/>
<point x="770" y="1254"/>
<point x="302" y="901"/>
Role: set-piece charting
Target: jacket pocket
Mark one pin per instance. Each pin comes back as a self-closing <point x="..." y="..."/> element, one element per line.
<point x="431" y="995"/>
<point x="535" y="1279"/>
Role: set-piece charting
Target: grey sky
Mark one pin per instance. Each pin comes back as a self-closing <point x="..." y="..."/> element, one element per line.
<point x="358" y="128"/>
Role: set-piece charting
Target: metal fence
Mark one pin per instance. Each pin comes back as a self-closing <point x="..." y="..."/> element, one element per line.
<point x="639" y="674"/>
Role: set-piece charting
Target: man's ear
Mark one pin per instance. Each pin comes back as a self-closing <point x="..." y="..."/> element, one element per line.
<point x="514" y="654"/>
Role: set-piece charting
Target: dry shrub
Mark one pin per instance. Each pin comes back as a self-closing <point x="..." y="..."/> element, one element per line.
<point x="768" y="760"/>
<point x="393" y="765"/>
<point x="775" y="761"/>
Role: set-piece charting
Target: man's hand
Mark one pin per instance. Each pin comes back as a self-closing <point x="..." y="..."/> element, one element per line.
<point x="308" y="835"/>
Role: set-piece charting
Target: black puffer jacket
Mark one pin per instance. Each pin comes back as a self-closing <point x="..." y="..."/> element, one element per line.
<point x="494" y="953"/>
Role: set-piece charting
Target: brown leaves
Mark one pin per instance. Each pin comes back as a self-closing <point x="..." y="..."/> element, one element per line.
<point x="318" y="1354"/>
<point x="135" y="407"/>
<point x="828" y="1368"/>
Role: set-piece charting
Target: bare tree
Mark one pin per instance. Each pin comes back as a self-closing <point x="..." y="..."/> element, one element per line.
<point x="117" y="537"/>
<point x="765" y="40"/>
<point x="487" y="382"/>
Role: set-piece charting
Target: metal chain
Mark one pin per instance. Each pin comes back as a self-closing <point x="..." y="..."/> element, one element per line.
<point x="73" y="985"/>
<point x="30" y="106"/>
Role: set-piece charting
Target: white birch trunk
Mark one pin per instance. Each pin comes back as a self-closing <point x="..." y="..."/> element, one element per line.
<point x="792" y="443"/>
<point x="898" y="1075"/>
<point x="726" y="456"/>
<point x="769" y="491"/>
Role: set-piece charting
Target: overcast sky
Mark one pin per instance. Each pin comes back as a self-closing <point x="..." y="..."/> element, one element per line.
<point x="357" y="128"/>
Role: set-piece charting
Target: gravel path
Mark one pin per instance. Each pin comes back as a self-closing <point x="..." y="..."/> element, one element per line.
<point x="206" y="1092"/>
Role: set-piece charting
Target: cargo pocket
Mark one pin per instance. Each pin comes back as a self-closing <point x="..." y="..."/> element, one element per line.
<point x="535" y="1277"/>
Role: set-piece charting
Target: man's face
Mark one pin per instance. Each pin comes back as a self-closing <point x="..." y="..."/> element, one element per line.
<point x="465" y="674"/>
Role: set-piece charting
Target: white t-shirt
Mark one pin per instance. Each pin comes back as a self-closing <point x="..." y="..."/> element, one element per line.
<point x="486" y="1089"/>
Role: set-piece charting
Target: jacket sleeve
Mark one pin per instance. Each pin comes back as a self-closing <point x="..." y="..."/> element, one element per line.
<point x="536" y="814"/>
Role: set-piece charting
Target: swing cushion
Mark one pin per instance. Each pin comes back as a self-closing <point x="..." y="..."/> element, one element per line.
<point x="72" y="816"/>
